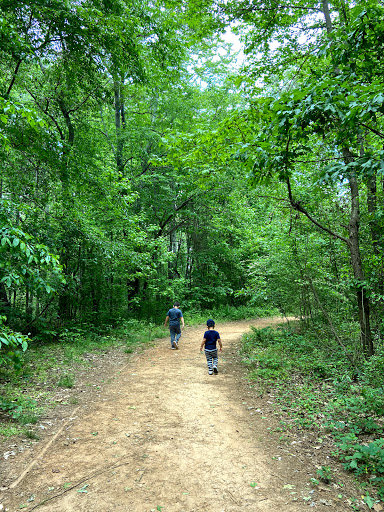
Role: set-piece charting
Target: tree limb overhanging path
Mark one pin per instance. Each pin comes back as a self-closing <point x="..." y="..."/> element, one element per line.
<point x="165" y="435"/>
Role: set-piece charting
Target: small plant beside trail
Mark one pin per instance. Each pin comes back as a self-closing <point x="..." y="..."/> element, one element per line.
<point x="318" y="389"/>
<point x="66" y="381"/>
<point x="12" y="346"/>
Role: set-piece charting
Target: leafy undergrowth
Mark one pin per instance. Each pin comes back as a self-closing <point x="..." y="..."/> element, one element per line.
<point x="320" y="386"/>
<point x="230" y="313"/>
<point x="51" y="363"/>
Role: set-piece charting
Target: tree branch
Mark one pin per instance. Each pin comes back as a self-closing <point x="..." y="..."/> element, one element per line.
<point x="278" y="7"/>
<point x="80" y="104"/>
<point x="298" y="207"/>
<point x="373" y="130"/>
<point x="170" y="217"/>
<point x="45" y="111"/>
<point x="14" y="77"/>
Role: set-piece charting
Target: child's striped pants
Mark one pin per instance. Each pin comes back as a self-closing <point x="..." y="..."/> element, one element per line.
<point x="212" y="359"/>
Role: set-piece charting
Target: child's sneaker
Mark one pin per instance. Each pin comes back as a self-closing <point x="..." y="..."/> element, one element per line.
<point x="215" y="370"/>
<point x="210" y="373"/>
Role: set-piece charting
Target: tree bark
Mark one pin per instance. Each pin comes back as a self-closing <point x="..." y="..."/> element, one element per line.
<point x="119" y="141"/>
<point x="5" y="304"/>
<point x="357" y="266"/>
<point x="327" y="16"/>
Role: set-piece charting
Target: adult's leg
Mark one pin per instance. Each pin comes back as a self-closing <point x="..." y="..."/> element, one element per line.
<point x="172" y="333"/>
<point x="178" y="333"/>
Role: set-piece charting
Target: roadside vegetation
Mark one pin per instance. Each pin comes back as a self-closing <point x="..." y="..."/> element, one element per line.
<point x="321" y="386"/>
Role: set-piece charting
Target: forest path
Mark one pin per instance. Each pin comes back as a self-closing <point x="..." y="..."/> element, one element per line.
<point x="165" y="435"/>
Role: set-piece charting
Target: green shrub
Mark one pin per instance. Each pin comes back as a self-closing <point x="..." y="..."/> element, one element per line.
<point x="12" y="346"/>
<point x="364" y="459"/>
<point x="66" y="381"/>
<point x="318" y="388"/>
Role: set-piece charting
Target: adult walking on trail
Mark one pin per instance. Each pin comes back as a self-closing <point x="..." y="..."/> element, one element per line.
<point x="174" y="316"/>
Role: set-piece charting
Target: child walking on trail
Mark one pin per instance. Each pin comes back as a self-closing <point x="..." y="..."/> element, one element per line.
<point x="211" y="338"/>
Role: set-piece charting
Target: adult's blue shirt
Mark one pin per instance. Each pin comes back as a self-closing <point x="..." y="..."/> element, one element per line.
<point x="174" y="315"/>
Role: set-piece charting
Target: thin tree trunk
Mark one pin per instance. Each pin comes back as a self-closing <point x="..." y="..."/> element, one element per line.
<point x="327" y="16"/>
<point x="4" y="301"/>
<point x="357" y="266"/>
<point x="119" y="141"/>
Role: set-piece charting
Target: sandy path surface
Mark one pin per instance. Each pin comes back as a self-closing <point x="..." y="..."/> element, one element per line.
<point x="166" y="436"/>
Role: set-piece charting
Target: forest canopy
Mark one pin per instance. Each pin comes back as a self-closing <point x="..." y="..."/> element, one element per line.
<point x="142" y="164"/>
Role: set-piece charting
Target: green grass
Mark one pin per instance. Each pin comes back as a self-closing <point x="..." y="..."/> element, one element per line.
<point x="66" y="381"/>
<point x="9" y="430"/>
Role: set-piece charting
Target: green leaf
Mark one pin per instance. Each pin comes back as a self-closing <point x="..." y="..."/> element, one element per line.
<point x="369" y="501"/>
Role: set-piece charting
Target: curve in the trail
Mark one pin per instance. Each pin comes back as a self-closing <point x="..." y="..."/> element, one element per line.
<point x="165" y="435"/>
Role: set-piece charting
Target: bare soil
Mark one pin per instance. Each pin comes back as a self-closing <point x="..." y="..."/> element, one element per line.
<point x="153" y="431"/>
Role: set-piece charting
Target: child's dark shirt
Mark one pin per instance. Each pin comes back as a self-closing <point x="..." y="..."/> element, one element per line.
<point x="211" y="338"/>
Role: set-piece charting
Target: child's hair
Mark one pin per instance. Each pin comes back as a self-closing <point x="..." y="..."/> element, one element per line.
<point x="210" y="323"/>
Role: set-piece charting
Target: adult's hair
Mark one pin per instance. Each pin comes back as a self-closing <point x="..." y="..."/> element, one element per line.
<point x="177" y="304"/>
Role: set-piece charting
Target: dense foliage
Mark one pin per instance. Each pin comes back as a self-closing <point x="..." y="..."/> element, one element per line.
<point x="142" y="164"/>
<point x="129" y="140"/>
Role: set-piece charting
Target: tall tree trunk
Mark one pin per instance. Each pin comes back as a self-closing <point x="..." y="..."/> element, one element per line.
<point x="353" y="242"/>
<point x="5" y="304"/>
<point x="357" y="266"/>
<point x="67" y="200"/>
<point x="173" y="248"/>
<point x="119" y="140"/>
<point x="327" y="16"/>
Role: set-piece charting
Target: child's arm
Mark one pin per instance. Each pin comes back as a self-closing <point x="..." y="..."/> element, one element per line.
<point x="202" y="344"/>
<point x="220" y="344"/>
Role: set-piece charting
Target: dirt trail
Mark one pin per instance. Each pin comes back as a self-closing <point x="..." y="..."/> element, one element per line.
<point x="165" y="435"/>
